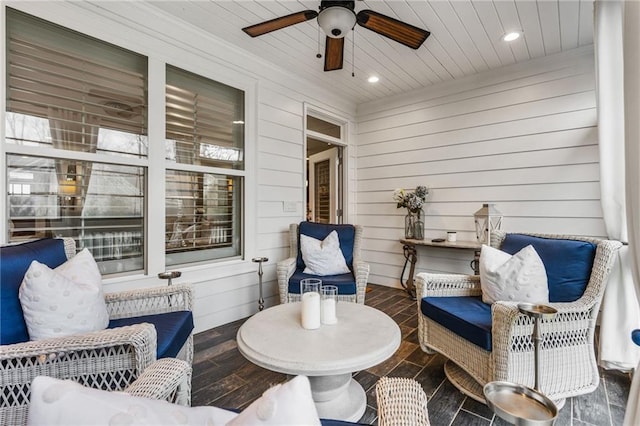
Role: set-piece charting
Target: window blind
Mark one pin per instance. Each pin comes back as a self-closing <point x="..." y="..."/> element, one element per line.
<point x="204" y="127"/>
<point x="75" y="83"/>
<point x="73" y="93"/>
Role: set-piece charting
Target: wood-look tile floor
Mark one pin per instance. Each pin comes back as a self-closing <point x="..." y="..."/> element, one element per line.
<point x="224" y="378"/>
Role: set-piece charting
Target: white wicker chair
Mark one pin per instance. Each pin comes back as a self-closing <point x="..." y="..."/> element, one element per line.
<point x="568" y="363"/>
<point x="109" y="359"/>
<point x="287" y="267"/>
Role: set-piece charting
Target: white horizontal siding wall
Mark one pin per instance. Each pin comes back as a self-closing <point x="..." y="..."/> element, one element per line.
<point x="523" y="137"/>
<point x="228" y="290"/>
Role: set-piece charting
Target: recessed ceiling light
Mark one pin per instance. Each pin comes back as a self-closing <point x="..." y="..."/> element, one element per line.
<point x="373" y="79"/>
<point x="514" y="35"/>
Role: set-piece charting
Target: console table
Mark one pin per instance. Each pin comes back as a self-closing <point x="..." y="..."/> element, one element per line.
<point x="411" y="256"/>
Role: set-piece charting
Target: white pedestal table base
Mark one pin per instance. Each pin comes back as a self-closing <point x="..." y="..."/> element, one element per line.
<point x="338" y="397"/>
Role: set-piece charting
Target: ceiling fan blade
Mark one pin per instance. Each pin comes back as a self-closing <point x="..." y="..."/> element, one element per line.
<point x="333" y="53"/>
<point x="387" y="26"/>
<point x="279" y="23"/>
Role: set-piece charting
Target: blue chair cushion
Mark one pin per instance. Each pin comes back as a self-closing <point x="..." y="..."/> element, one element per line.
<point x="172" y="328"/>
<point x="14" y="262"/>
<point x="319" y="231"/>
<point x="568" y="263"/>
<point x="346" y="283"/>
<point x="466" y="316"/>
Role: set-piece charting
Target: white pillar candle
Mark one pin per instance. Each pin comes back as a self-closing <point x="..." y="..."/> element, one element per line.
<point x="329" y="311"/>
<point x="311" y="310"/>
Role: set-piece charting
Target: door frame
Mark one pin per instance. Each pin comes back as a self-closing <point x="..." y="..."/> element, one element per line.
<point x="342" y="143"/>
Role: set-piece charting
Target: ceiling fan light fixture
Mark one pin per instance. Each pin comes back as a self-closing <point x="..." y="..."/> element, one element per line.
<point x="336" y="21"/>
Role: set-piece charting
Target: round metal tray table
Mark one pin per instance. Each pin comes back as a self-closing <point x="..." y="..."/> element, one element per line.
<point x="520" y="405"/>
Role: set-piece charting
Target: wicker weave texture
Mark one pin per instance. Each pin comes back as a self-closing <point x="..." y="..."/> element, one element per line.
<point x="401" y="402"/>
<point x="567" y="356"/>
<point x="109" y="359"/>
<point x="167" y="379"/>
<point x="285" y="268"/>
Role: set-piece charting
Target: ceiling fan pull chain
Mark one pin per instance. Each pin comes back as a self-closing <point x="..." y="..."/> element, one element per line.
<point x="353" y="53"/>
<point x="319" y="55"/>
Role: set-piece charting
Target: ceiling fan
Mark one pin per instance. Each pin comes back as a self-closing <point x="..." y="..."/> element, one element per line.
<point x="337" y="18"/>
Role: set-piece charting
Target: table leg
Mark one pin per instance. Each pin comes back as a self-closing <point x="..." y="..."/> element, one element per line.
<point x="410" y="255"/>
<point x="338" y="397"/>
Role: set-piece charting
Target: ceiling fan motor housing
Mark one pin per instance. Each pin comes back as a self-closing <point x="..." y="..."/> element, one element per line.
<point x="336" y="18"/>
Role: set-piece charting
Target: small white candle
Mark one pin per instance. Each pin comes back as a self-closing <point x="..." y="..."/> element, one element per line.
<point x="329" y="311"/>
<point x="310" y="310"/>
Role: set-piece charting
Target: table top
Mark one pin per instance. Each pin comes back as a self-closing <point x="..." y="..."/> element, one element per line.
<point x="472" y="245"/>
<point x="274" y="339"/>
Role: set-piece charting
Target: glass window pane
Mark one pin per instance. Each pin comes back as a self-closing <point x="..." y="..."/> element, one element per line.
<point x="202" y="216"/>
<point x="64" y="88"/>
<point x="317" y="125"/>
<point x="100" y="205"/>
<point x="205" y="121"/>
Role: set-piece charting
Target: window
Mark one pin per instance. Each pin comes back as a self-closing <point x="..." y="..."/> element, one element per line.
<point x="205" y="131"/>
<point x="77" y="150"/>
<point x="76" y="115"/>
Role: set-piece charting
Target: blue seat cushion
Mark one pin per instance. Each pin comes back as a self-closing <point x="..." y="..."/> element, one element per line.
<point x="319" y="231"/>
<point x="172" y="328"/>
<point x="346" y="283"/>
<point x="568" y="263"/>
<point x="14" y="262"/>
<point x="467" y="316"/>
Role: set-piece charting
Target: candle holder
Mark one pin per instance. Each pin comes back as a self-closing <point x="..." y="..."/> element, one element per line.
<point x="329" y="295"/>
<point x="259" y="261"/>
<point x="168" y="275"/>
<point x="310" y="296"/>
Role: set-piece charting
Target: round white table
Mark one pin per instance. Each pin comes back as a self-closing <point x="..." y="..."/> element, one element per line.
<point x="363" y="337"/>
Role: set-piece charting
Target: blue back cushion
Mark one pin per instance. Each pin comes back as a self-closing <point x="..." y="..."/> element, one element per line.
<point x="346" y="283"/>
<point x="172" y="328"/>
<point x="319" y="231"/>
<point x="467" y="316"/>
<point x="14" y="262"/>
<point x="568" y="263"/>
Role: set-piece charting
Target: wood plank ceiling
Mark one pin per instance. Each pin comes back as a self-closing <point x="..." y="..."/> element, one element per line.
<point x="466" y="38"/>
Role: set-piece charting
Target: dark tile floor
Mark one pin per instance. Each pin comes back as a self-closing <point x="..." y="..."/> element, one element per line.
<point x="222" y="377"/>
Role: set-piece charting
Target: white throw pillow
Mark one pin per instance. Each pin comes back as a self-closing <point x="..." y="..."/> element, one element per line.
<point x="289" y="403"/>
<point x="65" y="301"/>
<point x="323" y="257"/>
<point x="64" y="402"/>
<point x="518" y="278"/>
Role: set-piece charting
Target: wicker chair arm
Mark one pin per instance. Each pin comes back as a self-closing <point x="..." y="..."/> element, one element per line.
<point x="361" y="273"/>
<point x="167" y="379"/>
<point x="438" y="285"/>
<point x="110" y="358"/>
<point x="149" y="301"/>
<point x="141" y="336"/>
<point x="360" y="267"/>
<point x="507" y="318"/>
<point x="284" y="270"/>
<point x="511" y="328"/>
